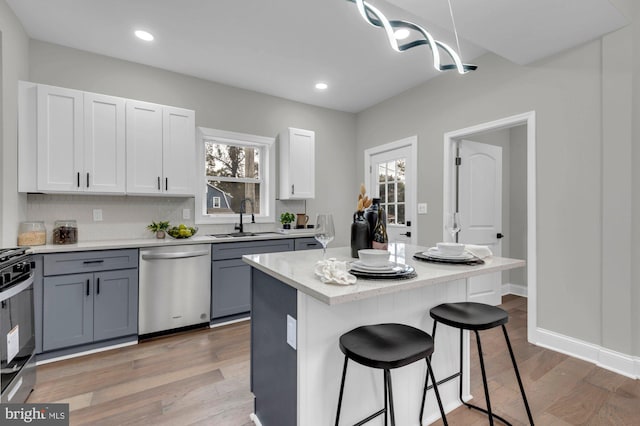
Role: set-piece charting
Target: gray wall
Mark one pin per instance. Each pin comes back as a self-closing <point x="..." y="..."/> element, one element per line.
<point x="217" y="106"/>
<point x="14" y="58"/>
<point x="566" y="92"/>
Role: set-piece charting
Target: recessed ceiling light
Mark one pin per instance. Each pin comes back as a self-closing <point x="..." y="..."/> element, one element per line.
<point x="322" y="86"/>
<point x="401" y="34"/>
<point x="144" y="35"/>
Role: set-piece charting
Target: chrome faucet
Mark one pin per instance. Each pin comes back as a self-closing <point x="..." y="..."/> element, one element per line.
<point x="243" y="210"/>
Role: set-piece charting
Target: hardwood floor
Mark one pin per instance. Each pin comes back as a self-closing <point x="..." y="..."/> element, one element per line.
<point x="202" y="378"/>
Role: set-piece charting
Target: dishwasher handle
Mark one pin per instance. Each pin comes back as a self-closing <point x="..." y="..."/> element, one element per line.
<point x="177" y="255"/>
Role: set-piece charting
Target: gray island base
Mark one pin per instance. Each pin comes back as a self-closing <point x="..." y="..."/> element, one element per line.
<point x="297" y="320"/>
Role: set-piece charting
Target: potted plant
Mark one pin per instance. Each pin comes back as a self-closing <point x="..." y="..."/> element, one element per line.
<point x="159" y="228"/>
<point x="286" y="219"/>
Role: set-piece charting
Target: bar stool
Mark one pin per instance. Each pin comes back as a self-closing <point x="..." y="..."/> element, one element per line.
<point x="477" y="316"/>
<point x="385" y="347"/>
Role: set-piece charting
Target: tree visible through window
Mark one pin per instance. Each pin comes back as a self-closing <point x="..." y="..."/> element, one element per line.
<point x="233" y="174"/>
<point x="391" y="181"/>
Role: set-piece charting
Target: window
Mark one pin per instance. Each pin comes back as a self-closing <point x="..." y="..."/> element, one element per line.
<point x="236" y="171"/>
<point x="391" y="181"/>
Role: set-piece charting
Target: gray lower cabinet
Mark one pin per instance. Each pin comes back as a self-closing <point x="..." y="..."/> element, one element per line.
<point x="83" y="308"/>
<point x="307" y="243"/>
<point x="231" y="277"/>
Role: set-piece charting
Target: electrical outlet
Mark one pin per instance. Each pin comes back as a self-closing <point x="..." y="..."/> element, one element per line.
<point x="292" y="332"/>
<point x="97" y="215"/>
<point x="186" y="213"/>
<point x="422" y="208"/>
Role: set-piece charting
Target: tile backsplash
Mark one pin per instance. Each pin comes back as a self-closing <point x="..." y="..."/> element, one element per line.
<point x="127" y="217"/>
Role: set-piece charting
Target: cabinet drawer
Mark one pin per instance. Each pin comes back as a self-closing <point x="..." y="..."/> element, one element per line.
<point x="223" y="251"/>
<point x="307" y="244"/>
<point x="89" y="261"/>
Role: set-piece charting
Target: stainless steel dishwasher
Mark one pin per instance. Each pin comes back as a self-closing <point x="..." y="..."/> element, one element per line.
<point x="175" y="288"/>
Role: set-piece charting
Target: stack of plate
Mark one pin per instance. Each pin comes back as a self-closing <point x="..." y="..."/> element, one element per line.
<point x="390" y="271"/>
<point x="435" y="255"/>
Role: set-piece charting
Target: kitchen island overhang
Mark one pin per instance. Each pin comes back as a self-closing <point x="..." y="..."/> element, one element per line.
<point x="297" y="384"/>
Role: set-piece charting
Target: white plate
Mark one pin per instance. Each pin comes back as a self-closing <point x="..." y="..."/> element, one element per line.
<point x="437" y="254"/>
<point x="390" y="267"/>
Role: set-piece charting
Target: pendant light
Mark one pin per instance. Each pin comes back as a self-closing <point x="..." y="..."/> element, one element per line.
<point x="373" y="16"/>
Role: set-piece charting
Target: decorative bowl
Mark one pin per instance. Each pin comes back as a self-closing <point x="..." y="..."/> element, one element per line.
<point x="452" y="249"/>
<point x="373" y="257"/>
<point x="181" y="232"/>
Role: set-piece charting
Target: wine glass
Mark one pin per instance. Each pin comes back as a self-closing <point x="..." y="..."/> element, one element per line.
<point x="453" y="225"/>
<point x="324" y="230"/>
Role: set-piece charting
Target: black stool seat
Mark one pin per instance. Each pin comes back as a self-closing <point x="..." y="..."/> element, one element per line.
<point x="386" y="346"/>
<point x="469" y="315"/>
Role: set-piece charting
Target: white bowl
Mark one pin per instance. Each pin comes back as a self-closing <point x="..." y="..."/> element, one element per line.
<point x="450" y="248"/>
<point x="373" y="257"/>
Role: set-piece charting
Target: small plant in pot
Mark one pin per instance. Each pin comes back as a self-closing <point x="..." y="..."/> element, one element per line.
<point x="159" y="228"/>
<point x="286" y="219"/>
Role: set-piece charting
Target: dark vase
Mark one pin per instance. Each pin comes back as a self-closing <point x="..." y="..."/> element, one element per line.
<point x="360" y="234"/>
<point x="371" y="215"/>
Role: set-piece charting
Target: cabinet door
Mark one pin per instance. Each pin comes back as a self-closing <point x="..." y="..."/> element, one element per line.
<point x="144" y="148"/>
<point x="230" y="287"/>
<point x="115" y="304"/>
<point x="67" y="318"/>
<point x="307" y="244"/>
<point x="302" y="163"/>
<point x="59" y="146"/>
<point x="104" y="144"/>
<point x="179" y="151"/>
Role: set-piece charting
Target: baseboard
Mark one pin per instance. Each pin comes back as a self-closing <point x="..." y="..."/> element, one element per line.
<point x="515" y="289"/>
<point x="626" y="365"/>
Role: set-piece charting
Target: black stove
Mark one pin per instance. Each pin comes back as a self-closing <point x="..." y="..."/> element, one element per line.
<point x="15" y="266"/>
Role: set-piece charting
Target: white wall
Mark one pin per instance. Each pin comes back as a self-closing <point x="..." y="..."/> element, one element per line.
<point x="565" y="91"/>
<point x="217" y="106"/>
<point x="14" y="57"/>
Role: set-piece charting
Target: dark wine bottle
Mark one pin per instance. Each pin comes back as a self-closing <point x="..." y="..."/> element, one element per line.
<point x="380" y="238"/>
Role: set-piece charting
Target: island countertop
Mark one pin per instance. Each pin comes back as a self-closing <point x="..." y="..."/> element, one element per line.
<point x="296" y="269"/>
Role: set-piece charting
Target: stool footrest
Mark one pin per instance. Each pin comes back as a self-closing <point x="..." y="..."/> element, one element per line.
<point x="494" y="415"/>
<point x="371" y="417"/>
<point x="446" y="379"/>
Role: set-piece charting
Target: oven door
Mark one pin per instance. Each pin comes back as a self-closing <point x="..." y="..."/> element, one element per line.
<point x="17" y="337"/>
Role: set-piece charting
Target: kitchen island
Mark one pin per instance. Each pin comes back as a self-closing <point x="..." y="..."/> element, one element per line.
<point x="297" y="320"/>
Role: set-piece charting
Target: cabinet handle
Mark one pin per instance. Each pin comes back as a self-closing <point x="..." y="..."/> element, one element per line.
<point x="78" y="180"/>
<point x="166" y="184"/>
<point x="88" y="287"/>
<point x="98" y="285"/>
<point x="158" y="183"/>
<point x="292" y="189"/>
<point x="86" y="262"/>
<point x="87" y="179"/>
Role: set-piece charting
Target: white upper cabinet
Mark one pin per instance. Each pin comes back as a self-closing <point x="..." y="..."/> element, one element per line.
<point x="104" y="144"/>
<point x="59" y="139"/>
<point x="160" y="150"/>
<point x="70" y="141"/>
<point x="79" y="142"/>
<point x="297" y="164"/>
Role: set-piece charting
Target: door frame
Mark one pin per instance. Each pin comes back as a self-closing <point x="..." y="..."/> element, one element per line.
<point x="412" y="143"/>
<point x="450" y="141"/>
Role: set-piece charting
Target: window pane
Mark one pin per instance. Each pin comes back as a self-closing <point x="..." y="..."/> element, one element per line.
<point x="231" y="160"/>
<point x="383" y="193"/>
<point x="401" y="218"/>
<point x="382" y="172"/>
<point x="400" y="189"/>
<point x="391" y="214"/>
<point x="392" y="192"/>
<point x="231" y="194"/>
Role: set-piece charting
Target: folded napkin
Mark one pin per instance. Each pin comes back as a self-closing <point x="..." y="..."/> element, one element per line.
<point x="481" y="252"/>
<point x="332" y="271"/>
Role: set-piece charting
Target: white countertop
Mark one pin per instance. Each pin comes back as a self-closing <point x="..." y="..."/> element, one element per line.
<point x="296" y="269"/>
<point x="154" y="242"/>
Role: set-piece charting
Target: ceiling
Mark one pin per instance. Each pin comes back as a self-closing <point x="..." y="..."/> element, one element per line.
<point x="283" y="47"/>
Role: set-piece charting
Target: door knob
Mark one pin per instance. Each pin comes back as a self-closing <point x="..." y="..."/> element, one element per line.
<point x="499" y="235"/>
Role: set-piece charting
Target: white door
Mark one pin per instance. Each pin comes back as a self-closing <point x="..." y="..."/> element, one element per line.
<point x="179" y="151"/>
<point x="144" y="148"/>
<point x="392" y="178"/>
<point x="104" y="144"/>
<point x="480" y="207"/>
<point x="60" y="147"/>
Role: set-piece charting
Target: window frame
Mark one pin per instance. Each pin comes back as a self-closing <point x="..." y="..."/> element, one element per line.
<point x="267" y="170"/>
